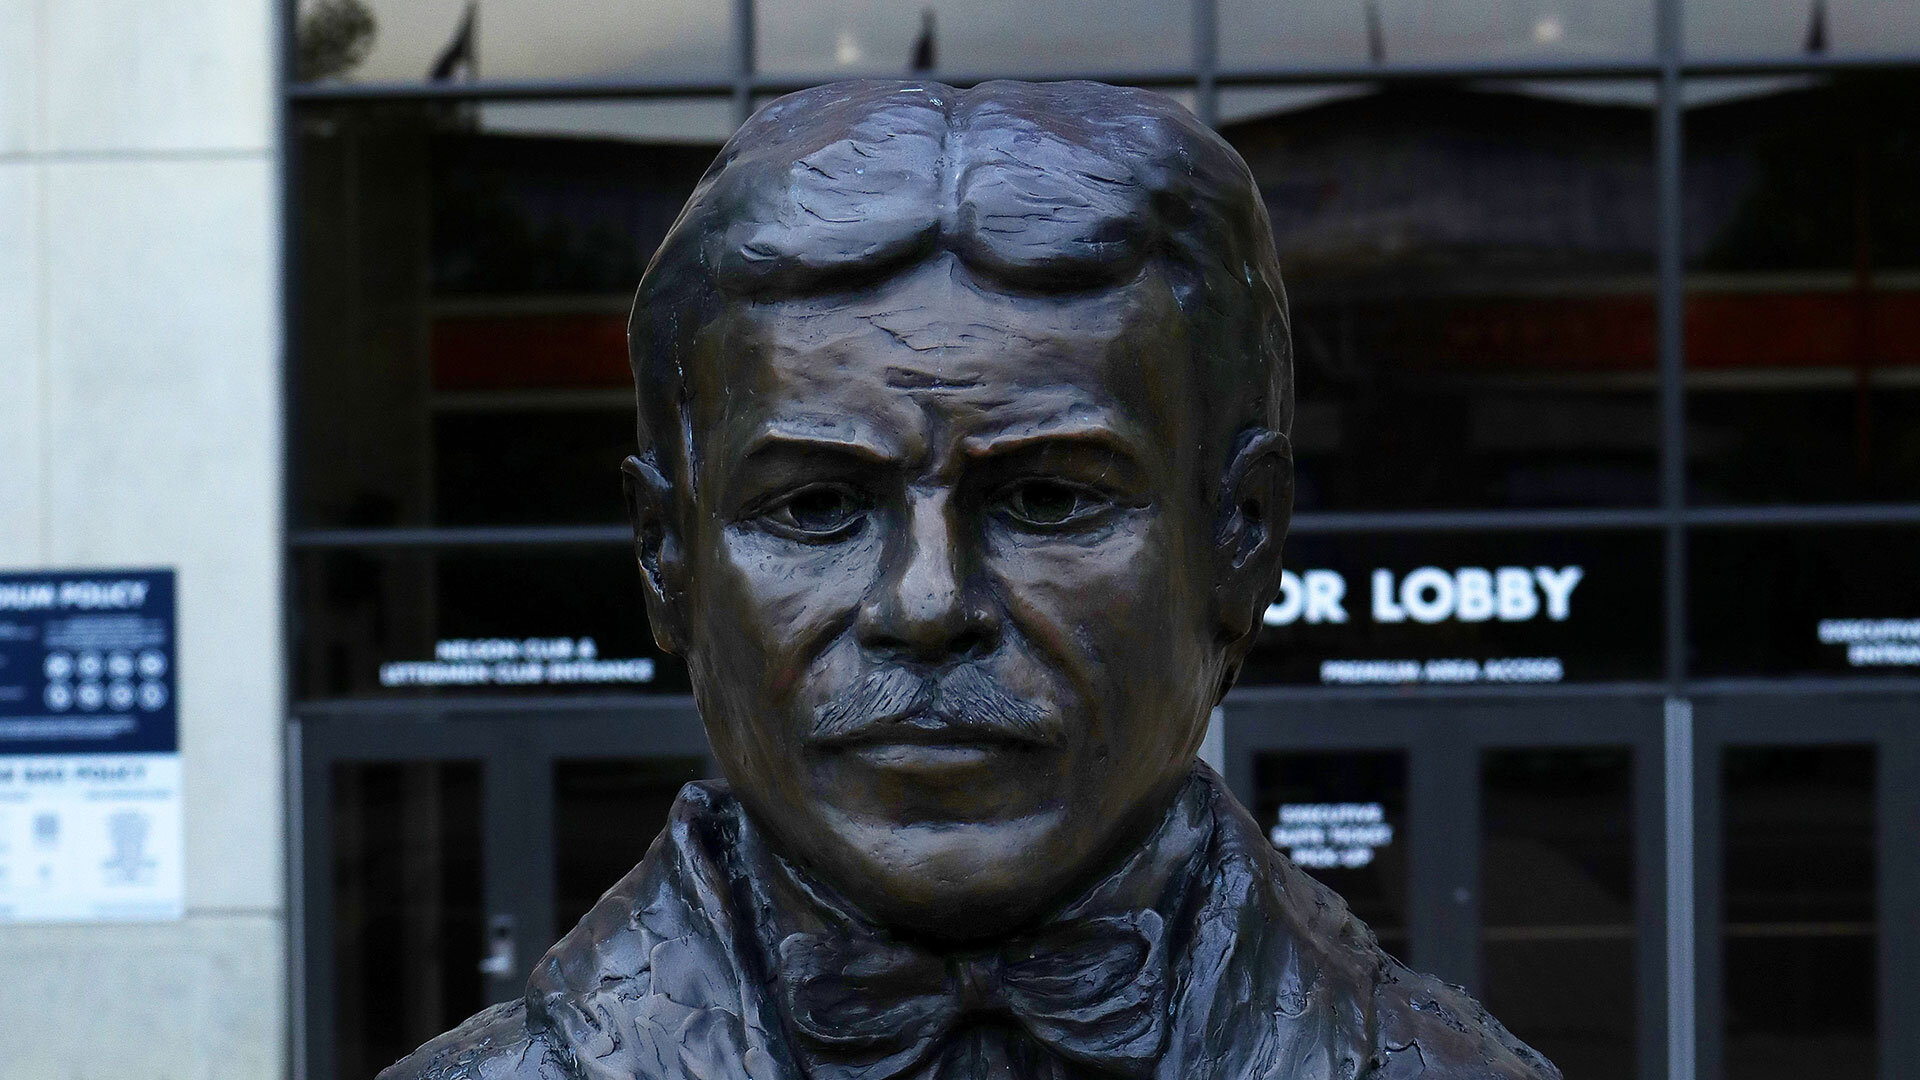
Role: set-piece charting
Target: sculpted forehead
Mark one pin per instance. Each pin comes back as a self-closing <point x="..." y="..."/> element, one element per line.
<point x="873" y="366"/>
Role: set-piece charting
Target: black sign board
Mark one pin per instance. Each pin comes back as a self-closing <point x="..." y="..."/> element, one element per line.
<point x="87" y="662"/>
<point x="1825" y="601"/>
<point x="1485" y="609"/>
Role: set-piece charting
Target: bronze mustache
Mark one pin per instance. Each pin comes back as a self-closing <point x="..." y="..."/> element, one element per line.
<point x="961" y="703"/>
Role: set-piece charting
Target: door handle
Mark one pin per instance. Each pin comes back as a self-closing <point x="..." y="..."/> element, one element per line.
<point x="498" y="962"/>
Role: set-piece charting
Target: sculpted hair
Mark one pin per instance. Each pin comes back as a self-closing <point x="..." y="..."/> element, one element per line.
<point x="1038" y="187"/>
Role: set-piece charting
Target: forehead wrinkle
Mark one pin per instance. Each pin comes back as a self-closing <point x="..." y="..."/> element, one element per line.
<point x="939" y="338"/>
<point x="764" y="388"/>
<point x="904" y="364"/>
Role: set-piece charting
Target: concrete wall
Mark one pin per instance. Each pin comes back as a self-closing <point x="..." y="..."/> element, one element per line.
<point x="139" y="426"/>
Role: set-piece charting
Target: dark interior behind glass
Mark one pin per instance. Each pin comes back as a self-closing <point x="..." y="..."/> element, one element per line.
<point x="606" y="811"/>
<point x="408" y="922"/>
<point x="1803" y="303"/>
<point x="461" y="315"/>
<point x="1807" y="601"/>
<point x="1471" y="278"/>
<point x="1802" y="922"/>
<point x="1305" y="799"/>
<point x="1557" y="910"/>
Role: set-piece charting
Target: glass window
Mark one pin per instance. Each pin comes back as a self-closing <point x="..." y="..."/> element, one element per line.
<point x="481" y="621"/>
<point x="1262" y="34"/>
<point x="1800" y="27"/>
<point x="407" y="924"/>
<point x="829" y="39"/>
<point x="1802" y="925"/>
<point x="507" y="40"/>
<point x="1188" y="98"/>
<point x="1342" y="816"/>
<point x="1822" y="600"/>
<point x="460" y="308"/>
<point x="1494" y="609"/>
<point x="606" y="811"/>
<point x="1471" y="278"/>
<point x="1558" y="911"/>
<point x="1803" y="299"/>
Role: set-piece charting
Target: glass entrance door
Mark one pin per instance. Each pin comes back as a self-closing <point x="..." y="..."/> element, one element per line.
<point x="1514" y="847"/>
<point x="1808" y="920"/>
<point x="445" y="852"/>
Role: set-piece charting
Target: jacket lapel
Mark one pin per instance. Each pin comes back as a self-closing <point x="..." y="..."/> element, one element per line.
<point x="661" y="981"/>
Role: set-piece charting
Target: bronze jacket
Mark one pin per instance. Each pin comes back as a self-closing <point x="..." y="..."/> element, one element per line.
<point x="674" y="976"/>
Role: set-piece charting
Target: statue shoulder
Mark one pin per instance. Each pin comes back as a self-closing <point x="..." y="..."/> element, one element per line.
<point x="495" y="1044"/>
<point x="1309" y="946"/>
<point x="1432" y="1030"/>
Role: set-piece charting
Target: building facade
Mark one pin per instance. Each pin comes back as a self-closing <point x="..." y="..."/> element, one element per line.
<point x="1597" y="662"/>
<point x="140" y="317"/>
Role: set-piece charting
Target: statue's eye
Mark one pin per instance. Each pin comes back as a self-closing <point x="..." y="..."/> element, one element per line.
<point x="818" y="511"/>
<point x="1050" y="503"/>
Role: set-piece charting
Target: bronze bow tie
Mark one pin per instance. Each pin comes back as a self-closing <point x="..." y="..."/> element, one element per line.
<point x="1093" y="991"/>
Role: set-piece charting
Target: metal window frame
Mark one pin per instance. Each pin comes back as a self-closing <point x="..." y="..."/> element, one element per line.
<point x="1669" y="68"/>
<point x="1205" y="75"/>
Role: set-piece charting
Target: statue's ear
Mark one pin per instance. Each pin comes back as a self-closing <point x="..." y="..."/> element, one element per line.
<point x="1256" y="502"/>
<point x="657" y="548"/>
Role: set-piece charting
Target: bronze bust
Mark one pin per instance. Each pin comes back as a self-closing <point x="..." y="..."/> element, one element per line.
<point x="962" y="480"/>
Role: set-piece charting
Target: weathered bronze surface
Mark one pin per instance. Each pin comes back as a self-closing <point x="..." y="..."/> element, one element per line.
<point x="962" y="483"/>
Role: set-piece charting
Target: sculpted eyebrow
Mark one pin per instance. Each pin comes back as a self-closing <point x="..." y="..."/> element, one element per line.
<point x="780" y="443"/>
<point x="1093" y="454"/>
<point x="1103" y="441"/>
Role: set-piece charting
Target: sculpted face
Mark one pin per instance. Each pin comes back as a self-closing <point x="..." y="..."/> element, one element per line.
<point x="949" y="583"/>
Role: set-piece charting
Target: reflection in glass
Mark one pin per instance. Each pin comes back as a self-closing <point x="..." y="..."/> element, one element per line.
<point x="700" y="121"/>
<point x="1470" y="271"/>
<point x="460" y="307"/>
<point x="605" y="814"/>
<point x="1803" y="310"/>
<point x="482" y="621"/>
<point x="1802" y="924"/>
<point x="848" y="38"/>
<point x="1800" y="27"/>
<point x="467" y="40"/>
<point x="407" y="924"/>
<point x="1834" y="601"/>
<point x="1260" y="34"/>
<point x="1342" y="815"/>
<point x="1558" y="913"/>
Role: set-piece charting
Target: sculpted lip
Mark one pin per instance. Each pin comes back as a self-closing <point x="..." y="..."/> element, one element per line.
<point x="927" y="730"/>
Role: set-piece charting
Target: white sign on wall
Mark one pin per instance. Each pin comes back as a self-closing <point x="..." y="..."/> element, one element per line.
<point x="90" y="819"/>
<point x="90" y="837"/>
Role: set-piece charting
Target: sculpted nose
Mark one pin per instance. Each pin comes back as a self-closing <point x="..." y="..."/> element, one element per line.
<point x="925" y="607"/>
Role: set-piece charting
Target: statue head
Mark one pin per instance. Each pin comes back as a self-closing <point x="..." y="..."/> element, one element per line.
<point x="962" y="477"/>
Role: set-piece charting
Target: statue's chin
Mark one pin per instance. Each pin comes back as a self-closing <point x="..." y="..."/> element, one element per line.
<point x="953" y="882"/>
